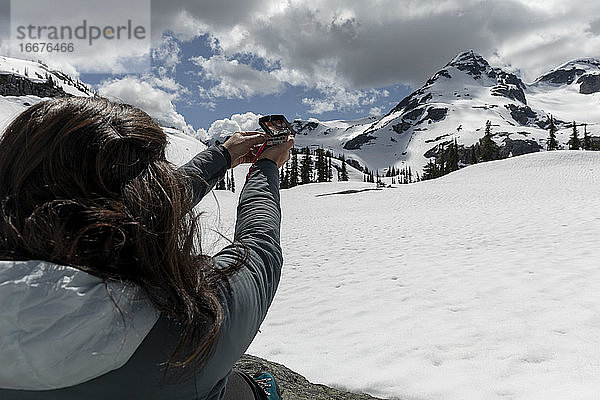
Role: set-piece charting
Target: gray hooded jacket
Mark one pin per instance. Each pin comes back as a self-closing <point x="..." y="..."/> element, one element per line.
<point x="61" y="336"/>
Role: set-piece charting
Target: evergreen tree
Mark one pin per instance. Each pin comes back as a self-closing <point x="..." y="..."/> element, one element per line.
<point x="587" y="141"/>
<point x="329" y="168"/>
<point x="228" y="181"/>
<point x="344" y="172"/>
<point x="442" y="160"/>
<point x="232" y="182"/>
<point x="287" y="175"/>
<point x="293" y="174"/>
<point x="306" y="167"/>
<point x="595" y="144"/>
<point x="221" y="185"/>
<point x="282" y="180"/>
<point x="472" y="156"/>
<point x="430" y="170"/>
<point x="321" y="166"/>
<point x="453" y="157"/>
<point x="574" y="142"/>
<point x="489" y="149"/>
<point x="552" y="144"/>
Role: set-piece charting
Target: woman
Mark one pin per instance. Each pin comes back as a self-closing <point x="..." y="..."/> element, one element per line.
<point x="104" y="291"/>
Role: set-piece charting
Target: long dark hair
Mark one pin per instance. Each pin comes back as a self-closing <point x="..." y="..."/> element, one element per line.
<point x="84" y="182"/>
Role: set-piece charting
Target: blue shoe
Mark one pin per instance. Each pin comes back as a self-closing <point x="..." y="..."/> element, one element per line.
<point x="267" y="382"/>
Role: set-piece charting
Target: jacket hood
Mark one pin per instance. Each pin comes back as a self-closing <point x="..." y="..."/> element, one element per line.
<point x="59" y="326"/>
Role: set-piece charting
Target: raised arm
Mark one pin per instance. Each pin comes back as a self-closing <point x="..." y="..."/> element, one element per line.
<point x="257" y="233"/>
<point x="248" y="293"/>
<point x="206" y="169"/>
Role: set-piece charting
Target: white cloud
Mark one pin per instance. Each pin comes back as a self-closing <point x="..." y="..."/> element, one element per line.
<point x="339" y="98"/>
<point x="376" y="111"/>
<point x="237" y="123"/>
<point x="156" y="102"/>
<point x="167" y="83"/>
<point x="358" y="44"/>
<point x="100" y="55"/>
<point x="236" y="80"/>
<point x="168" y="53"/>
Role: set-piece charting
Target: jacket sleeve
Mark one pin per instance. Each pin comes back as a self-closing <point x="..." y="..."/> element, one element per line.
<point x="206" y="169"/>
<point x="252" y="288"/>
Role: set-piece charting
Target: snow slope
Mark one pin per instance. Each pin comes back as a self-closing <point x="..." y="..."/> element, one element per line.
<point x="559" y="92"/>
<point x="36" y="71"/>
<point x="482" y="284"/>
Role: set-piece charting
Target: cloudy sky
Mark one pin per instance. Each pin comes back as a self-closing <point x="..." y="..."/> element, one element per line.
<point x="332" y="59"/>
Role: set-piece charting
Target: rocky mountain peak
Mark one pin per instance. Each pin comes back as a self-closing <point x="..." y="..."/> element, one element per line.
<point x="584" y="72"/>
<point x="470" y="62"/>
<point x="589" y="64"/>
<point x="567" y="73"/>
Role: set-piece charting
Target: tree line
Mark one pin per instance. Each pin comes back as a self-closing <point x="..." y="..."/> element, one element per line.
<point x="486" y="149"/>
<point x="309" y="166"/>
<point x="575" y="142"/>
<point x="304" y="166"/>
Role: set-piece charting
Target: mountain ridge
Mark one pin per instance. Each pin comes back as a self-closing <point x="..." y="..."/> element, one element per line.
<point x="455" y="103"/>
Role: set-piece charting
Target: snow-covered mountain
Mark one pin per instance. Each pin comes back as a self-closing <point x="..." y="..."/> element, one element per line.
<point x="571" y="91"/>
<point x="24" y="77"/>
<point x="24" y="83"/>
<point x="455" y="103"/>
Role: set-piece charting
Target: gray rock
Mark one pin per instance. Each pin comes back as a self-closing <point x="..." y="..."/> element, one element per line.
<point x="562" y="76"/>
<point x="471" y="63"/>
<point x="589" y="84"/>
<point x="354" y="163"/>
<point x="411" y="102"/>
<point x="512" y="92"/>
<point x="436" y="113"/>
<point x="358" y="141"/>
<point x="519" y="147"/>
<point x="401" y="127"/>
<point x="303" y="128"/>
<point x="437" y="139"/>
<point x="14" y="85"/>
<point x="294" y="385"/>
<point x="414" y="114"/>
<point x="521" y="114"/>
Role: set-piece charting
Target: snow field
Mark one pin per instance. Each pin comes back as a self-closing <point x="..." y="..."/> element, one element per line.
<point x="479" y="285"/>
